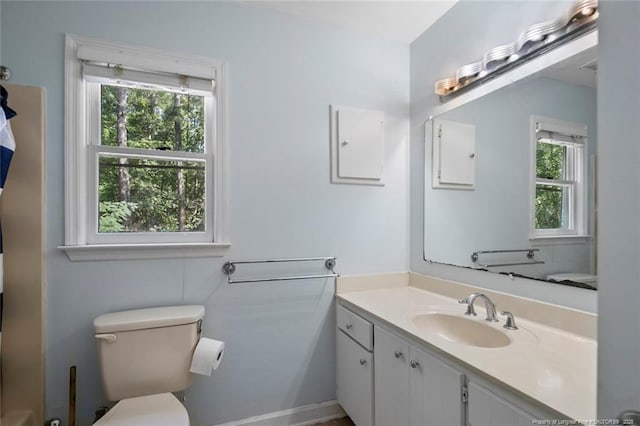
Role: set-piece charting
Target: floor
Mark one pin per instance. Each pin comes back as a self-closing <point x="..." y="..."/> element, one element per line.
<point x="345" y="421"/>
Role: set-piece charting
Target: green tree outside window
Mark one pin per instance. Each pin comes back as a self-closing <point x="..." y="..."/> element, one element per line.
<point x="149" y="195"/>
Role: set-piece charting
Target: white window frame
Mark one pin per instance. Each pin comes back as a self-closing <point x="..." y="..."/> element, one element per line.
<point x="82" y="145"/>
<point x="578" y="205"/>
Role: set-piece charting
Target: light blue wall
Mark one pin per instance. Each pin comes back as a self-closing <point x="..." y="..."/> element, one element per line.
<point x="619" y="245"/>
<point x="495" y="215"/>
<point x="460" y="37"/>
<point x="283" y="75"/>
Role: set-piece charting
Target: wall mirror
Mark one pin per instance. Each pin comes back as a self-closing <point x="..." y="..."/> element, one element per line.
<point x="510" y="171"/>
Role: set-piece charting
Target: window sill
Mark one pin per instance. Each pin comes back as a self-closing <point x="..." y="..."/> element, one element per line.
<point x="144" y="251"/>
<point x="560" y="239"/>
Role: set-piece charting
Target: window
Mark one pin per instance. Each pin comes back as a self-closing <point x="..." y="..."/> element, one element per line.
<point x="559" y="179"/>
<point x="144" y="154"/>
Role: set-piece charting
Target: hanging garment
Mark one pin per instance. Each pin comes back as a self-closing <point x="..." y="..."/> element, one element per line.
<point x="7" y="147"/>
<point x="4" y="104"/>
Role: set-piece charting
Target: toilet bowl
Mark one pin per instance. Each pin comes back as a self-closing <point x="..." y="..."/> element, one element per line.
<point x="153" y="410"/>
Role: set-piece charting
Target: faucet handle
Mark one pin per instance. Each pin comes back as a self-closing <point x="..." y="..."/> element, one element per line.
<point x="470" y="310"/>
<point x="510" y="323"/>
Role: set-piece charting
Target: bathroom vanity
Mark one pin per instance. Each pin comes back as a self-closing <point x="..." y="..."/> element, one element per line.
<point x="408" y="355"/>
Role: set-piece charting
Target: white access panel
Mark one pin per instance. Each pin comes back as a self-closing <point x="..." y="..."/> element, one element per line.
<point x="360" y="143"/>
<point x="454" y="154"/>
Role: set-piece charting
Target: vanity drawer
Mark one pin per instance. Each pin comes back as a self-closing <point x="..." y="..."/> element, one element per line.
<point x="355" y="326"/>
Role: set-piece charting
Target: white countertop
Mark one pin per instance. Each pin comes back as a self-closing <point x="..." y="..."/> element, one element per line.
<point x="554" y="367"/>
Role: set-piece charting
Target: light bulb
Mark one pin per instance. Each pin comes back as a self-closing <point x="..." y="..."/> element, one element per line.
<point x="587" y="11"/>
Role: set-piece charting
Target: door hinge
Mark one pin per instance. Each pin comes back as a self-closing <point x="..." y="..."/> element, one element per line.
<point x="465" y="394"/>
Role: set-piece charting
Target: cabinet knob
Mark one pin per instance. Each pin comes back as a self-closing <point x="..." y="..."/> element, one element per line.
<point x="414" y="364"/>
<point x="349" y="326"/>
<point x="397" y="354"/>
<point x="363" y="362"/>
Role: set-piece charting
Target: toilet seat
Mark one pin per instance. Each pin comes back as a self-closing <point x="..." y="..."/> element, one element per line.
<point x="154" y="410"/>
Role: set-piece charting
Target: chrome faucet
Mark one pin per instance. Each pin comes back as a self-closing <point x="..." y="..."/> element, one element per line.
<point x="488" y="304"/>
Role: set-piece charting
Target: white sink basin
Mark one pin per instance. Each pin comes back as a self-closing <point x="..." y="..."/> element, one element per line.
<point x="471" y="332"/>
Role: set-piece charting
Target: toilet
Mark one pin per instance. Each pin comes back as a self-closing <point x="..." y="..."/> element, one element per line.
<point x="145" y="355"/>
<point x="578" y="277"/>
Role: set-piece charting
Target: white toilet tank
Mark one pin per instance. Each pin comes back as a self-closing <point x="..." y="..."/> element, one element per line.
<point x="147" y="351"/>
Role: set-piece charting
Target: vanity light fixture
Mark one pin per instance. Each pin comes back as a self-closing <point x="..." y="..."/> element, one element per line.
<point x="532" y="40"/>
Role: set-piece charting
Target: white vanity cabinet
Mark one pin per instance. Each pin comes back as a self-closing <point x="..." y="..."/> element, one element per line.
<point x="413" y="388"/>
<point x="488" y="409"/>
<point x="387" y="379"/>
<point x="354" y="366"/>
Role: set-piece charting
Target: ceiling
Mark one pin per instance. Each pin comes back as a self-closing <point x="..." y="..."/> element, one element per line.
<point x="396" y="20"/>
<point x="580" y="69"/>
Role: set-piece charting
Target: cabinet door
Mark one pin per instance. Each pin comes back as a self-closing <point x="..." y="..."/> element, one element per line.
<point x="488" y="409"/>
<point x="354" y="380"/>
<point x="360" y="143"/>
<point x="436" y="391"/>
<point x="457" y="152"/>
<point x="391" y="379"/>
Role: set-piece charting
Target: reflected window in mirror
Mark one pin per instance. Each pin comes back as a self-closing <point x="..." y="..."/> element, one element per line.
<point x="559" y="207"/>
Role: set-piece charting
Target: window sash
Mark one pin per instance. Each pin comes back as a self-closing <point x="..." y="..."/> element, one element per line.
<point x="148" y="154"/>
<point x="564" y="159"/>
<point x="555" y="182"/>
<point x="574" y="138"/>
<point x="106" y="162"/>
<point x="95" y="149"/>
<point x="570" y="162"/>
<point x="570" y="207"/>
<point x="571" y="201"/>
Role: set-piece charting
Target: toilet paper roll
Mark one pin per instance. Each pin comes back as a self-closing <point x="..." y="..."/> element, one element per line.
<point x="207" y="356"/>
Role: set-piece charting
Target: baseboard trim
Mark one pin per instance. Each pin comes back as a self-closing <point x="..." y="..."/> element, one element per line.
<point x="299" y="416"/>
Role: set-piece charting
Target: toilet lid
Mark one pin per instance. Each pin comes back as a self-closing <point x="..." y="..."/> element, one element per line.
<point x="154" y="410"/>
